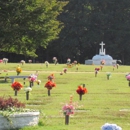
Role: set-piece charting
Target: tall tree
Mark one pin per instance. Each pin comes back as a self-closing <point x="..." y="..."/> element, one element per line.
<point x="88" y="22"/>
<point x="28" y="24"/>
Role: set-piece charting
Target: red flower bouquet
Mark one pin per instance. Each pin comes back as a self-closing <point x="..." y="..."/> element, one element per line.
<point x="97" y="69"/>
<point x="81" y="90"/>
<point x="49" y="85"/>
<point x="16" y="86"/>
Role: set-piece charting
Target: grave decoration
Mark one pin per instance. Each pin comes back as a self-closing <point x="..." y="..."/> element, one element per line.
<point x="75" y="62"/>
<point x="38" y="82"/>
<point x="68" y="61"/>
<point x="49" y="85"/>
<point x="51" y="77"/>
<point x="1" y="61"/>
<point x="55" y="60"/>
<point x="15" y="115"/>
<point x="108" y="75"/>
<point x="102" y="62"/>
<point x="65" y="70"/>
<point x="5" y="60"/>
<point x="96" y="71"/>
<point x="16" y="87"/>
<point x="68" y="109"/>
<point x="30" y="61"/>
<point x="47" y="63"/>
<point x="128" y="79"/>
<point x="32" y="78"/>
<point x="18" y="70"/>
<point x="108" y="126"/>
<point x="22" y="62"/>
<point x="27" y="90"/>
<point x="81" y="90"/>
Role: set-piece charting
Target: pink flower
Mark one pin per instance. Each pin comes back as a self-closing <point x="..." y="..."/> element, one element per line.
<point x="1" y="61"/>
<point x="32" y="77"/>
<point x="68" y="109"/>
<point x="128" y="77"/>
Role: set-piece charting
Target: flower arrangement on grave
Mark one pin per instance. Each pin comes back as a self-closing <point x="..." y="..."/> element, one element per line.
<point x="108" y="126"/>
<point x="75" y="62"/>
<point x="68" y="109"/>
<point x="55" y="60"/>
<point x="27" y="90"/>
<point x="16" y="87"/>
<point x="65" y="70"/>
<point x="30" y="61"/>
<point x="49" y="85"/>
<point x="81" y="90"/>
<point x="103" y="62"/>
<point x="18" y="70"/>
<point x="108" y="75"/>
<point x="128" y="78"/>
<point x="1" y="61"/>
<point x="51" y="77"/>
<point x="12" y="107"/>
<point x="96" y="71"/>
<point x="22" y="62"/>
<point x="32" y="78"/>
<point x="68" y="61"/>
<point x="5" y="60"/>
<point x="46" y="63"/>
<point x="38" y="82"/>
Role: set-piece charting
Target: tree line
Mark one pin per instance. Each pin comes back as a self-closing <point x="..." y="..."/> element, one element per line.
<point x="65" y="29"/>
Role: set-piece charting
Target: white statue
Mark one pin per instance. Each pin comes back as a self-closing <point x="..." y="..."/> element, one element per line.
<point x="102" y="51"/>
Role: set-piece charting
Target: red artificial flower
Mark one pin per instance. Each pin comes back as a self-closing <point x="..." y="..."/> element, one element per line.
<point x="97" y="69"/>
<point x="50" y="85"/>
<point x="16" y="86"/>
<point x="81" y="90"/>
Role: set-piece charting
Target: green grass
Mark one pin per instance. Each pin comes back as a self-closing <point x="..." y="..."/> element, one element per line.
<point x="102" y="103"/>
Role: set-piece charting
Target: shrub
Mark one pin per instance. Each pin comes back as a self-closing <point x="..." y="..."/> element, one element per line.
<point x="8" y="103"/>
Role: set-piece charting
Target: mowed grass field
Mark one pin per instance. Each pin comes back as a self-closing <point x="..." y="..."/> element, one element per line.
<point x="107" y="101"/>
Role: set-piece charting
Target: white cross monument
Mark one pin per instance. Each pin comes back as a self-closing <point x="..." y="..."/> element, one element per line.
<point x="102" y="51"/>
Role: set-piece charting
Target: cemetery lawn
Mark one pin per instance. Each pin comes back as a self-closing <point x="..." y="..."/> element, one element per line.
<point x="107" y="101"/>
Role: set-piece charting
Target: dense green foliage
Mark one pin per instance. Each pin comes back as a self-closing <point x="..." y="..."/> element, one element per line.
<point x="88" y="22"/>
<point x="28" y="24"/>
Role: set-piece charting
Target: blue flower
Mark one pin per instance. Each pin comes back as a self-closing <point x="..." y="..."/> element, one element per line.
<point x="108" y="126"/>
